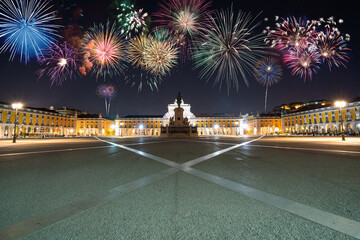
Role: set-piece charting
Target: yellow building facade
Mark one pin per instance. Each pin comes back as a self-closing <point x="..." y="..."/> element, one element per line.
<point x="325" y="120"/>
<point x="262" y="125"/>
<point x="94" y="125"/>
<point x="34" y="122"/>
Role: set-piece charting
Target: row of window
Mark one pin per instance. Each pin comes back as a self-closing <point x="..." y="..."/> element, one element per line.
<point x="324" y="117"/>
<point x="32" y="119"/>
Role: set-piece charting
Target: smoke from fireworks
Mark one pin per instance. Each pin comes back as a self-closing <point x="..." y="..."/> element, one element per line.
<point x="26" y="28"/>
<point x="105" y="49"/>
<point x="108" y="92"/>
<point x="59" y="63"/>
<point x="229" y="49"/>
<point x="268" y="72"/>
<point x="186" y="19"/>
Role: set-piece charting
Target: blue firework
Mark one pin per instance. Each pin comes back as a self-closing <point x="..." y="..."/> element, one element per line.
<point x="268" y="71"/>
<point x="26" y="28"/>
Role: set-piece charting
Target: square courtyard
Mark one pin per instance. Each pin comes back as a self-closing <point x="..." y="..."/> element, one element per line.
<point x="190" y="188"/>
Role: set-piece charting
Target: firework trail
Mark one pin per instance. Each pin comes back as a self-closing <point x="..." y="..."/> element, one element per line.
<point x="268" y="72"/>
<point x="59" y="63"/>
<point x="230" y="48"/>
<point x="108" y="92"/>
<point x="105" y="49"/>
<point x="26" y="28"/>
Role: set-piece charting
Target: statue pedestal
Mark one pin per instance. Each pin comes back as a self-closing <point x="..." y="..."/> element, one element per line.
<point x="179" y="126"/>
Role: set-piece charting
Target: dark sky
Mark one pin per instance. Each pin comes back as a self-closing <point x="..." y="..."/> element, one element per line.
<point x="19" y="82"/>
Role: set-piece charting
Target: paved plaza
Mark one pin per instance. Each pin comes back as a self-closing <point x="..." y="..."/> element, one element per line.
<point x="200" y="188"/>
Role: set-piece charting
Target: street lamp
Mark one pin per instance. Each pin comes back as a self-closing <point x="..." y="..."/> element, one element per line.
<point x="341" y="104"/>
<point x="141" y="127"/>
<point x="16" y="106"/>
<point x="216" y="127"/>
<point x="121" y="129"/>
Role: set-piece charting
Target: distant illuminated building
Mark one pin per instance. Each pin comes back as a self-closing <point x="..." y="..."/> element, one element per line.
<point x="35" y="122"/>
<point x="322" y="119"/>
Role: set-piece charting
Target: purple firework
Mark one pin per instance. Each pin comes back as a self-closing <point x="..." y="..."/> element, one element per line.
<point x="303" y="63"/>
<point x="59" y="63"/>
<point x="332" y="48"/>
<point x="108" y="92"/>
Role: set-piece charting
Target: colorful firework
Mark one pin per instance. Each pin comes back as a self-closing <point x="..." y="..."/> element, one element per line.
<point x="59" y="63"/>
<point x="132" y="22"/>
<point x="229" y="48"/>
<point x="332" y="48"/>
<point x="26" y="28"/>
<point x="293" y="34"/>
<point x="137" y="50"/>
<point x="304" y="44"/>
<point x="160" y="53"/>
<point x="268" y="72"/>
<point x="104" y="47"/>
<point x="108" y="92"/>
<point x="303" y="63"/>
<point x="186" y="19"/>
<point x="138" y="76"/>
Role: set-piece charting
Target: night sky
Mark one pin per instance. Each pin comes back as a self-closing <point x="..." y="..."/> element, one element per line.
<point x="19" y="82"/>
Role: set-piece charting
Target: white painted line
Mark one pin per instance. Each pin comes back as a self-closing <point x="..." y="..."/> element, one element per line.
<point x="144" y="154"/>
<point x="216" y="143"/>
<point x="144" y="143"/>
<point x="306" y="149"/>
<point x="217" y="153"/>
<point x="51" y="151"/>
<point x="35" y="224"/>
<point x="338" y="223"/>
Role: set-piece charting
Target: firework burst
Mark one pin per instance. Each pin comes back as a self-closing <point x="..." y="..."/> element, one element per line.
<point x="105" y="48"/>
<point x="229" y="48"/>
<point x="186" y="19"/>
<point x="138" y="74"/>
<point x="160" y="53"/>
<point x="332" y="48"/>
<point x="303" y="63"/>
<point x="293" y="34"/>
<point x="268" y="72"/>
<point x="59" y="63"/>
<point x="132" y="22"/>
<point x="137" y="50"/>
<point x="26" y="28"/>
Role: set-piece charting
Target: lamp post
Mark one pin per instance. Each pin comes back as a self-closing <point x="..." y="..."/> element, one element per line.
<point x="121" y="129"/>
<point x="216" y="128"/>
<point x="16" y="106"/>
<point x="141" y="127"/>
<point x="341" y="104"/>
